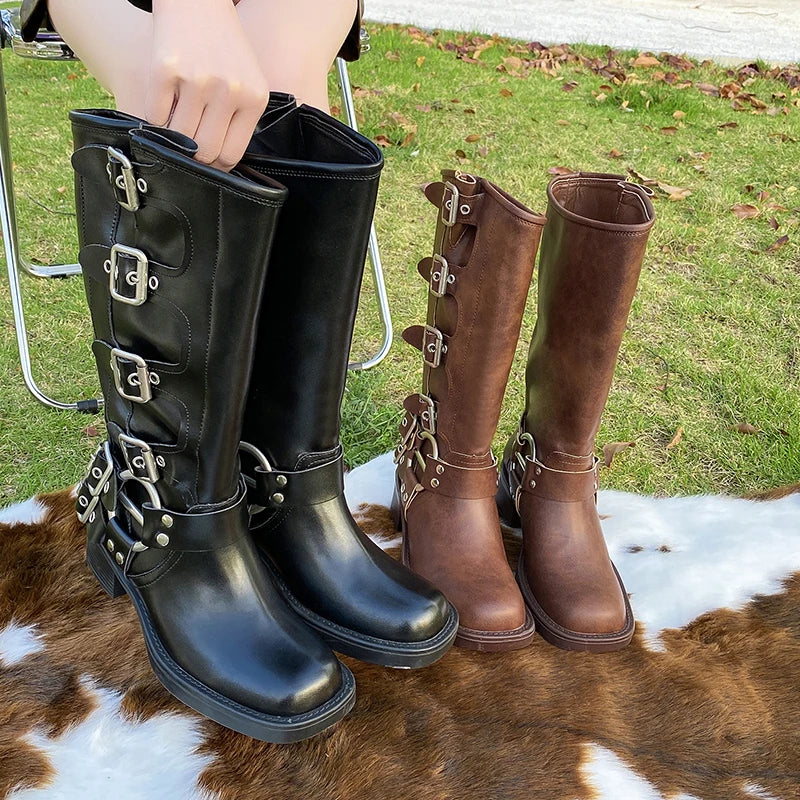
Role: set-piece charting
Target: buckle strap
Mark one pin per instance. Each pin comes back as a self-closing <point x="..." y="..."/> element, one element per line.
<point x="129" y="277"/>
<point x="276" y="488"/>
<point x="538" y="480"/>
<point x="127" y="187"/>
<point x="430" y="341"/>
<point x="437" y="271"/>
<point x="133" y="378"/>
<point x="140" y="459"/>
<point x="95" y="484"/>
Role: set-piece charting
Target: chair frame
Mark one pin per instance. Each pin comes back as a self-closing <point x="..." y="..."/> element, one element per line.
<point x="50" y="47"/>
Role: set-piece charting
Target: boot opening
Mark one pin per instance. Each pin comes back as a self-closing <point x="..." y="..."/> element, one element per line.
<point x="607" y="199"/>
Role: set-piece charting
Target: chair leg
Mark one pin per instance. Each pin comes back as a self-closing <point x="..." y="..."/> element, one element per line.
<point x="373" y="252"/>
<point x="15" y="263"/>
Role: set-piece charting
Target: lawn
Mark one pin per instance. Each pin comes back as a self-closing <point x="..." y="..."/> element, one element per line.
<point x="708" y="381"/>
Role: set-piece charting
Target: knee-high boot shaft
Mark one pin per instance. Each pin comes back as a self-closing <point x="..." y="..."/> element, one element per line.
<point x="187" y="277"/>
<point x="313" y="284"/>
<point x="589" y="265"/>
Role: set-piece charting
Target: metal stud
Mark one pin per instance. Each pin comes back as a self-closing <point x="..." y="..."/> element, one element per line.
<point x="281" y="480"/>
<point x="167" y="521"/>
<point x="440" y="469"/>
<point x="538" y="470"/>
<point x="119" y="558"/>
<point x="109" y="545"/>
<point x="434" y="482"/>
<point x="533" y="484"/>
<point x="162" y="539"/>
<point x="277" y="498"/>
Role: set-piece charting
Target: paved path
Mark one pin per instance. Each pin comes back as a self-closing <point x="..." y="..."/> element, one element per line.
<point x="725" y="30"/>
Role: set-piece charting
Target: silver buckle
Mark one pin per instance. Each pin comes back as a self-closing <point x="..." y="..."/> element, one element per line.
<point x="126" y="180"/>
<point x="136" y="279"/>
<point x="146" y="461"/>
<point x="88" y="505"/>
<point x="440" y="277"/>
<point x="450" y="206"/>
<point x="433" y="346"/>
<point x="140" y="380"/>
<point x="96" y="476"/>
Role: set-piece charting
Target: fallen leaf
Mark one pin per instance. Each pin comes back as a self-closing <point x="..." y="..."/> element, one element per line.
<point x="392" y="55"/>
<point x="708" y="88"/>
<point x="773" y="223"/>
<point x="614" y="153"/>
<point x="569" y="86"/>
<point x="560" y="170"/>
<point x="62" y="189"/>
<point x="675" y="440"/>
<point x="483" y="151"/>
<point x="645" y="60"/>
<point x="678" y="114"/>
<point x="674" y="193"/>
<point x="473" y="137"/>
<point x="420" y="61"/>
<point x="424" y="109"/>
<point x="562" y="122"/>
<point x="777" y="244"/>
<point x="747" y="428"/>
<point x="469" y="110"/>
<point x="460" y="153"/>
<point x="669" y="130"/>
<point x="91" y="431"/>
<point x="610" y="450"/>
<point x="728" y="125"/>
<point x="382" y="140"/>
<point x="745" y="211"/>
<point x="506" y="93"/>
<point x="763" y="195"/>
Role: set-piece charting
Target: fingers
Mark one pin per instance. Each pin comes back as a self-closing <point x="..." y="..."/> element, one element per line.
<point x="189" y="108"/>
<point x="237" y="137"/>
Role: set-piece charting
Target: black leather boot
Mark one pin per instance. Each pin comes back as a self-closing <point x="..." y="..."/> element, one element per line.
<point x="363" y="602"/>
<point x="174" y="277"/>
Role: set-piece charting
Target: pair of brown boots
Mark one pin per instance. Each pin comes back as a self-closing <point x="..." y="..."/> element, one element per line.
<point x="447" y="493"/>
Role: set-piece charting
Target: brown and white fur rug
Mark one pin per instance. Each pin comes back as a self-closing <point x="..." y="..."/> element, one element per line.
<point x="704" y="704"/>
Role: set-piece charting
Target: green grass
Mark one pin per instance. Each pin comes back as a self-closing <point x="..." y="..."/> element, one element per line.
<point x="714" y="336"/>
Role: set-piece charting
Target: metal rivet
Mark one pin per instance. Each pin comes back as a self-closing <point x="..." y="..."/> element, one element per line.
<point x="533" y="484"/>
<point x="153" y="283"/>
<point x="167" y="521"/>
<point x="162" y="539"/>
<point x="440" y="469"/>
<point x="277" y="498"/>
<point x="434" y="482"/>
<point x="281" y="480"/>
<point x="119" y="558"/>
<point x="538" y="470"/>
<point x="465" y="209"/>
<point x="109" y="545"/>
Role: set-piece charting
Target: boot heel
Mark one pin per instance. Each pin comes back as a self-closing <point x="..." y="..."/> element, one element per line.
<point x="506" y="507"/>
<point x="103" y="570"/>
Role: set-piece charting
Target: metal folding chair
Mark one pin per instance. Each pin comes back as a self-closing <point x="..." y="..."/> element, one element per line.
<point x="50" y="47"/>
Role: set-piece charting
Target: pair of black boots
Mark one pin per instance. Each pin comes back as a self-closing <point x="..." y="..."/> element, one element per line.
<point x="223" y="308"/>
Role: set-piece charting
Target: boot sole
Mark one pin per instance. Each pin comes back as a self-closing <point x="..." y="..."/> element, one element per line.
<point x="469" y="638"/>
<point x="546" y="627"/>
<point x="362" y="646"/>
<point x="203" y="699"/>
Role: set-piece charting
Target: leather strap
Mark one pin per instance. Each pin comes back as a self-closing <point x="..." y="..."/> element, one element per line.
<point x="309" y="487"/>
<point x="430" y="341"/>
<point x="467" y="207"/>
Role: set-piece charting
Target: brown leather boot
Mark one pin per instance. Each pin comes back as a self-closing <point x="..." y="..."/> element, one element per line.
<point x="479" y="276"/>
<point x="592" y="251"/>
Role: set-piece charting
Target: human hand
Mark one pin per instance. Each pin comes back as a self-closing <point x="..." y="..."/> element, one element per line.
<point x="205" y="80"/>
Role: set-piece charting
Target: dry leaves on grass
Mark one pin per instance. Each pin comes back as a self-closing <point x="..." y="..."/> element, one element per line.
<point x="611" y="449"/>
<point x="745" y="211"/>
<point x="747" y="428"/>
<point x="777" y="244"/>
<point x="676" y="439"/>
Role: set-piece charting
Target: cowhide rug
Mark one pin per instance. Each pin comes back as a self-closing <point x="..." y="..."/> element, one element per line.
<point x="705" y="703"/>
